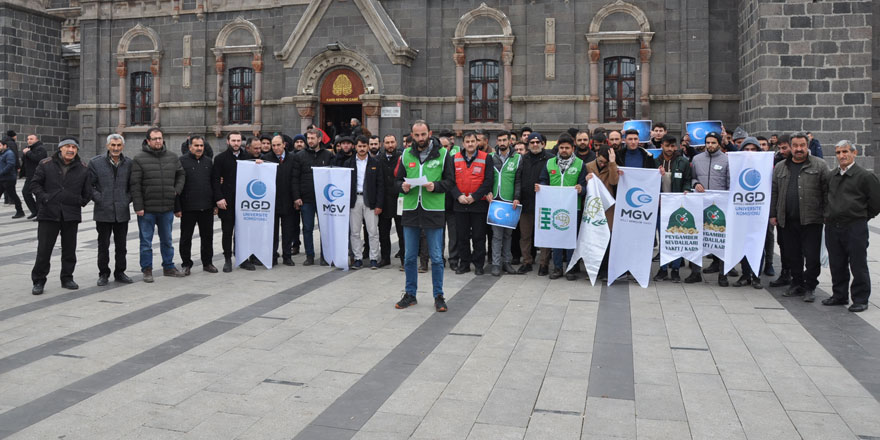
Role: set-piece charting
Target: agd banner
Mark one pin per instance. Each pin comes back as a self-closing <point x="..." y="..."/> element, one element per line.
<point x="751" y="174"/>
<point x="594" y="234"/>
<point x="332" y="187"/>
<point x="714" y="223"/>
<point x="681" y="227"/>
<point x="255" y="213"/>
<point x="556" y="217"/>
<point x="635" y="219"/>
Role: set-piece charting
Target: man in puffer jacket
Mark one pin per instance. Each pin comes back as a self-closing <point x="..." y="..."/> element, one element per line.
<point x="156" y="179"/>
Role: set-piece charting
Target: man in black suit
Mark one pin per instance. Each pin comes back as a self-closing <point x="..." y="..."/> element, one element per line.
<point x="389" y="158"/>
<point x="223" y="184"/>
<point x="367" y="198"/>
<point x="284" y="212"/>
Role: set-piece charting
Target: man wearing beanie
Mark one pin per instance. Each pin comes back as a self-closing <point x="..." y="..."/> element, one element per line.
<point x="533" y="163"/>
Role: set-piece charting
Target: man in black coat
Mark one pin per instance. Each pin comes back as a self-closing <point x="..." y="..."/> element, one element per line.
<point x="12" y="145"/>
<point x="196" y="206"/>
<point x="533" y="163"/>
<point x="30" y="158"/>
<point x="8" y="176"/>
<point x="184" y="146"/>
<point x="344" y="151"/>
<point x="367" y="197"/>
<point x="223" y="184"/>
<point x="389" y="159"/>
<point x="302" y="186"/>
<point x="61" y="185"/>
<point x="285" y="215"/>
<point x="109" y="176"/>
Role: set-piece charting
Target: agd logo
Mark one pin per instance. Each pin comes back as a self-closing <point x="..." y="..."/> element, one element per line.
<point x="256" y="190"/>
<point x="636" y="198"/>
<point x="749" y="180"/>
<point x="332" y="193"/>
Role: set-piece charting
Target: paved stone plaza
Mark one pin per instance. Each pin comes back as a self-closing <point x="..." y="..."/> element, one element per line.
<point x="317" y="353"/>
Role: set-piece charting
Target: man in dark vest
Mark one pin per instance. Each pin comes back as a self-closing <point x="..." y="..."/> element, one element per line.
<point x="506" y="188"/>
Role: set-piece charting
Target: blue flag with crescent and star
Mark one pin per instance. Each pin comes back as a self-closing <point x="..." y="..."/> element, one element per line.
<point x="699" y="129"/>
<point x="502" y="214"/>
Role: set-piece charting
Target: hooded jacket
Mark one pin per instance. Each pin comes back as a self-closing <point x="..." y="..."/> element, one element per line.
<point x="61" y="195"/>
<point x="156" y="179"/>
<point x="110" y="187"/>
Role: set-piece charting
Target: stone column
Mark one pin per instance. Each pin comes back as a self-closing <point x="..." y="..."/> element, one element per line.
<point x="459" y="84"/>
<point x="257" y="64"/>
<point x="305" y="106"/>
<point x="645" y="59"/>
<point x="594" y="82"/>
<point x="507" y="62"/>
<point x="220" y="67"/>
<point x="154" y="68"/>
<point x="372" y="109"/>
<point x="123" y="95"/>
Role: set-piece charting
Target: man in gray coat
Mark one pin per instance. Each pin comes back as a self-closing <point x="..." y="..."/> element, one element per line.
<point x="156" y="179"/>
<point x="109" y="176"/>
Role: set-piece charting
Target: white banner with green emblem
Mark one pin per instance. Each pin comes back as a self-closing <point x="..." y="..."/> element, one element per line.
<point x="714" y="223"/>
<point x="594" y="234"/>
<point x="635" y="222"/>
<point x="556" y="217"/>
<point x="681" y="227"/>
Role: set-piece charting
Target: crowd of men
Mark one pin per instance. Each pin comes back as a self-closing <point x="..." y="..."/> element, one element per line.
<point x="453" y="205"/>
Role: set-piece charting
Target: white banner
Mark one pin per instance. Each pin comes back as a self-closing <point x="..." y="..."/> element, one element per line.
<point x="635" y="220"/>
<point x="594" y="234"/>
<point x="751" y="174"/>
<point x="255" y="213"/>
<point x="332" y="196"/>
<point x="681" y="227"/>
<point x="714" y="223"/>
<point x="556" y="217"/>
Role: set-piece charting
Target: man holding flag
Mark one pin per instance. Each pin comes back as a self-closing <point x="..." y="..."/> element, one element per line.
<point x="508" y="178"/>
<point x="564" y="170"/>
<point x="676" y="178"/>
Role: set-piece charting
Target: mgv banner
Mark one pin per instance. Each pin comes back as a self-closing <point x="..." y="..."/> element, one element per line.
<point x="635" y="220"/>
<point x="255" y="213"/>
<point x="332" y="194"/>
<point x="556" y="217"/>
<point x="681" y="227"/>
<point x="751" y="174"/>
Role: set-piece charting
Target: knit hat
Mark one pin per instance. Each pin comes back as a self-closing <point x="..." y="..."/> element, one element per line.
<point x="715" y="135"/>
<point x="740" y="133"/>
<point x="749" y="140"/>
<point x="536" y="135"/>
<point x="299" y="137"/>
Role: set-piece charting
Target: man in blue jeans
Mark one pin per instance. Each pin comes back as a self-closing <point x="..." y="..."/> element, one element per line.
<point x="156" y="179"/>
<point x="424" y="208"/>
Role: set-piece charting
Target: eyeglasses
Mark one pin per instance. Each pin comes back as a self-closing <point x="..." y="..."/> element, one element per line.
<point x="534" y="142"/>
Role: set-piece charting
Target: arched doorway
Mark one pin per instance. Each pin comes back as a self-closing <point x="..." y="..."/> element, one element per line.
<point x="340" y="100"/>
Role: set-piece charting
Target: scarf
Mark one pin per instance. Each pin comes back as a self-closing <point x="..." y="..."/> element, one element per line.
<point x="564" y="163"/>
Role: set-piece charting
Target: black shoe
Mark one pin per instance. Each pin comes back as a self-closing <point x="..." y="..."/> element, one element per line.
<point x="783" y="280"/>
<point x="675" y="277"/>
<point x="452" y="264"/>
<point x="287" y="261"/>
<point x="661" y="275"/>
<point x="310" y="261"/>
<point x="694" y="277"/>
<point x="227" y="266"/>
<point x="515" y="262"/>
<point x="756" y="283"/>
<point x="794" y="291"/>
<point x="834" y="302"/>
<point x="384" y="262"/>
<point x="733" y="273"/>
<point x="103" y="280"/>
<point x="423" y="268"/>
<point x="462" y="268"/>
<point x="809" y="296"/>
<point x="357" y="264"/>
<point x="557" y="272"/>
<point x="722" y="281"/>
<point x="656" y="257"/>
<point x="768" y="270"/>
<point x="858" y="308"/>
<point x="478" y="270"/>
<point x="406" y="301"/>
<point x="19" y="214"/>
<point x="712" y="268"/>
<point x="37" y="290"/>
<point x="123" y="278"/>
<point x="543" y="271"/>
<point x="508" y="268"/>
<point x="32" y="216"/>
<point x="210" y="268"/>
<point x="496" y="270"/>
<point x="295" y="251"/>
<point x="399" y="254"/>
<point x="247" y="265"/>
<point x="439" y="304"/>
<point x="571" y="275"/>
<point x="324" y="262"/>
<point x="524" y="269"/>
<point x="256" y="261"/>
<point x="69" y="284"/>
<point x="187" y="271"/>
<point x="744" y="280"/>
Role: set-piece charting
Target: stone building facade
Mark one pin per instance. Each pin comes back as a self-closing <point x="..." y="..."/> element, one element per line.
<point x="263" y="66"/>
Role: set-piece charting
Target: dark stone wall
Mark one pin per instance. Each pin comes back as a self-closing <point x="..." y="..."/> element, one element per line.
<point x="33" y="75"/>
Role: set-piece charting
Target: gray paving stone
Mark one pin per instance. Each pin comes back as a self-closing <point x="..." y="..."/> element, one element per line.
<point x="609" y="418"/>
<point x="482" y="431"/>
<point x="508" y="407"/>
<point x="820" y="426"/>
<point x="555" y="426"/>
<point x="648" y="429"/>
<point x="709" y="411"/>
<point x="762" y="416"/>
<point x="659" y="402"/>
<point x="436" y="424"/>
<point x="563" y="394"/>
<point x="859" y="413"/>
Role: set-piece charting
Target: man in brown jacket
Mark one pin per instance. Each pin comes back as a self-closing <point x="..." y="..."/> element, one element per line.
<point x="605" y="168"/>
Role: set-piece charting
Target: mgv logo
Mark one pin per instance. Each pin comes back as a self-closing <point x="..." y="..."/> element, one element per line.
<point x="636" y="198"/>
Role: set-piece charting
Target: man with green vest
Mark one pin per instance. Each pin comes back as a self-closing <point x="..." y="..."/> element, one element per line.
<point x="424" y="174"/>
<point x="564" y="170"/>
<point x="506" y="187"/>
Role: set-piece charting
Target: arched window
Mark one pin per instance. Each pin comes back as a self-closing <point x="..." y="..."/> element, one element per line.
<point x="241" y="95"/>
<point x="141" y="98"/>
<point x="484" y="91"/>
<point x="620" y="89"/>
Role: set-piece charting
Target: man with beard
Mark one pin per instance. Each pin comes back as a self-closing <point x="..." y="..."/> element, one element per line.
<point x="299" y="143"/>
<point x="223" y="173"/>
<point x="583" y="150"/>
<point x="614" y="140"/>
<point x="303" y="189"/>
<point x="109" y="176"/>
<point x="471" y="194"/>
<point x="61" y="186"/>
<point x="532" y="165"/>
<point x="30" y="158"/>
<point x="373" y="145"/>
<point x="389" y="159"/>
<point x="783" y="152"/>
<point x="676" y="178"/>
<point x="196" y="206"/>
<point x="605" y="168"/>
<point x="423" y="208"/>
<point x="507" y="188"/>
<point x="483" y="141"/>
<point x="367" y="197"/>
<point x="447" y="139"/>
<point x="344" y="151"/>
<point x="564" y="170"/>
<point x="286" y="220"/>
<point x="797" y="205"/>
